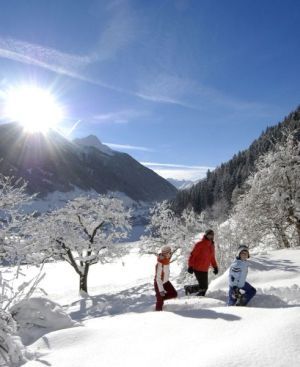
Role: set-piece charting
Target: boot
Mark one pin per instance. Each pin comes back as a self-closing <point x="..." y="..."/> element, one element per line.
<point x="201" y="292"/>
<point x="241" y="301"/>
<point x="189" y="289"/>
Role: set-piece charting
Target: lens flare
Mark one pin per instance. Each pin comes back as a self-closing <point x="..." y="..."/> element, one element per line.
<point x="35" y="108"/>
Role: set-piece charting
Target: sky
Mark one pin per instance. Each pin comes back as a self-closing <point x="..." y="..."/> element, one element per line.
<point x="181" y="85"/>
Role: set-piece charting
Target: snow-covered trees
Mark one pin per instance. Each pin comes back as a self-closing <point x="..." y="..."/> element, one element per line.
<point x="163" y="228"/>
<point x="270" y="209"/>
<point x="12" y="197"/>
<point x="10" y="345"/>
<point x="82" y="233"/>
<point x="178" y="231"/>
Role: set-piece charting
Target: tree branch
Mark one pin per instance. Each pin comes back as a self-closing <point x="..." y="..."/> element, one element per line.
<point x="70" y="255"/>
<point x="95" y="230"/>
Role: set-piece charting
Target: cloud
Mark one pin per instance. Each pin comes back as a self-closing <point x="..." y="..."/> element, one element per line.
<point x="35" y="54"/>
<point x="128" y="147"/>
<point x="178" y="171"/>
<point x="120" y="31"/>
<point x="172" y="89"/>
<point x="166" y="88"/>
<point x="122" y="28"/>
<point x="123" y="116"/>
<point x="162" y="89"/>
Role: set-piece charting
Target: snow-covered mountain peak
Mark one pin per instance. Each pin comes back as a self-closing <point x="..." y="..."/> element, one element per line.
<point x="181" y="184"/>
<point x="93" y="141"/>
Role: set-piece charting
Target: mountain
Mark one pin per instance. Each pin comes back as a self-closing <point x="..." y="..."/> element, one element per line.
<point x="52" y="163"/>
<point x="181" y="184"/>
<point x="93" y="141"/>
<point x="222" y="186"/>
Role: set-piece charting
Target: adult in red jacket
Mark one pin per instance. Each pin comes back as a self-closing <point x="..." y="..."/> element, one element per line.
<point x="201" y="258"/>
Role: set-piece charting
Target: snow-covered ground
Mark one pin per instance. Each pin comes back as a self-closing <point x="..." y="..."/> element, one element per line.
<point x="119" y="327"/>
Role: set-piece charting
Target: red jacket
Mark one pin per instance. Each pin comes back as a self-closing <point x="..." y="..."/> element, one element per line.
<point x="203" y="255"/>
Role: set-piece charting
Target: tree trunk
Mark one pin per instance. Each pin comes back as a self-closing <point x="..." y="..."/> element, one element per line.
<point x="298" y="232"/>
<point x="83" y="279"/>
<point x="285" y="240"/>
<point x="283" y="236"/>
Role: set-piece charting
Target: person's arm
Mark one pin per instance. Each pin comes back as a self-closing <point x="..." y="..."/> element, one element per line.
<point x="235" y="274"/>
<point x="244" y="272"/>
<point x="166" y="270"/>
<point x="159" y="270"/>
<point x="192" y="256"/>
<point x="213" y="258"/>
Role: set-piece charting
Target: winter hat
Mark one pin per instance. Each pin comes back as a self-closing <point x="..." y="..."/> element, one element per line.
<point x="242" y="248"/>
<point x="165" y="249"/>
<point x="209" y="231"/>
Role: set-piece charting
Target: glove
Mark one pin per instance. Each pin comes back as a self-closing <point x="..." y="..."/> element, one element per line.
<point x="236" y="292"/>
<point x="190" y="270"/>
<point x="162" y="293"/>
<point x="216" y="270"/>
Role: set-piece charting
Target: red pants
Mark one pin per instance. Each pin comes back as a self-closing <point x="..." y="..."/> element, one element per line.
<point x="170" y="293"/>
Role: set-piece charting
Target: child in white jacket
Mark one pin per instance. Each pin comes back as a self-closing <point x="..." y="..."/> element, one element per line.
<point x="237" y="280"/>
<point x="162" y="285"/>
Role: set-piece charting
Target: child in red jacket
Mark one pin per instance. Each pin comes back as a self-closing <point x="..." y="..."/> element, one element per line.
<point x="163" y="287"/>
<point x="201" y="258"/>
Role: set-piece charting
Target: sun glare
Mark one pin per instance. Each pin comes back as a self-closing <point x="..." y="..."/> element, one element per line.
<point x="35" y="108"/>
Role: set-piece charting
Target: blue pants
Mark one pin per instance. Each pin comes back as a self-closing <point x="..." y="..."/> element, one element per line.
<point x="249" y="294"/>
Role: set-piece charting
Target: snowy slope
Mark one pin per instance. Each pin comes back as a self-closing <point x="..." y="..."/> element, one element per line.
<point x="93" y="141"/>
<point x="119" y="327"/>
<point x="181" y="184"/>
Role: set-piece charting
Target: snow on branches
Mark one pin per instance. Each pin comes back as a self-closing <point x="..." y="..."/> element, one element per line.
<point x="83" y="233"/>
<point x="12" y="197"/>
<point x="270" y="209"/>
<point x="178" y="231"/>
<point x="11" y="348"/>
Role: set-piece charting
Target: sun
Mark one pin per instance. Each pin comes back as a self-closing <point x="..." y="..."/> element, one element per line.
<point x="33" y="107"/>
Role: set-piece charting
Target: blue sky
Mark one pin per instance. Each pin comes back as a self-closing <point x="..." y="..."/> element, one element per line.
<point x="181" y="85"/>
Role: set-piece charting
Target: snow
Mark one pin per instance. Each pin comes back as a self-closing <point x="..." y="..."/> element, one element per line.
<point x="93" y="141"/>
<point x="58" y="199"/>
<point x="182" y="184"/>
<point x="39" y="316"/>
<point x="120" y="328"/>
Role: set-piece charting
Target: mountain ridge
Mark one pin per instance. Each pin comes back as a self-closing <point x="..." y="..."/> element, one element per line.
<point x="52" y="163"/>
<point x="218" y="191"/>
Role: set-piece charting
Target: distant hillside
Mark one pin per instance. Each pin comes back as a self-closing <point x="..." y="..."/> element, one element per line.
<point x="221" y="186"/>
<point x="181" y="184"/>
<point x="52" y="163"/>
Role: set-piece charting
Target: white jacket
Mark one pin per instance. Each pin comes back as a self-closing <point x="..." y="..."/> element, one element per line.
<point x="238" y="273"/>
<point x="162" y="274"/>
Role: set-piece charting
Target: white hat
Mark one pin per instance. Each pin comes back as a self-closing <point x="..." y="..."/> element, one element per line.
<point x="242" y="248"/>
<point x="165" y="249"/>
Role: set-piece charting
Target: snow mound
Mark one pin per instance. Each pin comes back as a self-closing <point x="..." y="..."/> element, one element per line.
<point x="274" y="275"/>
<point x="193" y="303"/>
<point x="38" y="316"/>
<point x="217" y="337"/>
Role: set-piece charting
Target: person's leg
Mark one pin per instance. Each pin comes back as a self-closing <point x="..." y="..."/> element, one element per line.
<point x="159" y="298"/>
<point x="189" y="289"/>
<point x="231" y="299"/>
<point x="171" y="291"/>
<point x="249" y="293"/>
<point x="202" y="278"/>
